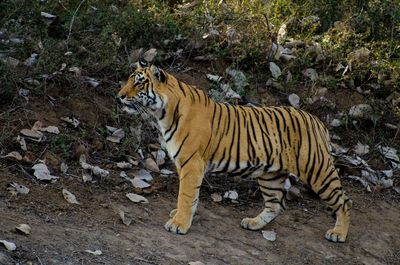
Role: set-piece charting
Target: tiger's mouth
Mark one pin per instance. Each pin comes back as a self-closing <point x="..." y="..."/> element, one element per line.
<point x="131" y="106"/>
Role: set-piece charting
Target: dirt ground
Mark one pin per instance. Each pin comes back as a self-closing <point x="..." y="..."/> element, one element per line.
<point x="61" y="232"/>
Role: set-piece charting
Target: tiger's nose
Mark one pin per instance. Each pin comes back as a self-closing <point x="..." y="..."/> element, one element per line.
<point x="121" y="97"/>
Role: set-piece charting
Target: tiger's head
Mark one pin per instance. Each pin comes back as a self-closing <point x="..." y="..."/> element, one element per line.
<point x="145" y="88"/>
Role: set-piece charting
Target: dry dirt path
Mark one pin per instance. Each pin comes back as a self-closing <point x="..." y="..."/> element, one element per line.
<point x="61" y="232"/>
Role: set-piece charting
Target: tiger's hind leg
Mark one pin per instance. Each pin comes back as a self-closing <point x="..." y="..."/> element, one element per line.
<point x="274" y="193"/>
<point x="329" y="189"/>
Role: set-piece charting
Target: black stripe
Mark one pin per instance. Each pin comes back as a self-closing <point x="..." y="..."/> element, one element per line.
<point x="173" y="118"/>
<point x="197" y="92"/>
<point x="325" y="187"/>
<point x="163" y="112"/>
<point x="180" y="147"/>
<point x="174" y="131"/>
<point x="181" y="88"/>
<point x="187" y="160"/>
<point x="238" y="142"/>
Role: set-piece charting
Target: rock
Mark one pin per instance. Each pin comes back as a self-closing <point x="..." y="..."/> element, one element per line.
<point x="361" y="111"/>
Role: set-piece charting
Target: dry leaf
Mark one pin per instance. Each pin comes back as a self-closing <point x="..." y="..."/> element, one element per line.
<point x="336" y="123"/>
<point x="136" y="182"/>
<point x="127" y="221"/>
<point x="391" y="154"/>
<point x="361" y="149"/>
<point x="117" y="136"/>
<point x="143" y="175"/>
<point x="232" y="194"/>
<point x="96" y="252"/>
<point x="269" y="235"/>
<point x="91" y="81"/>
<point x="76" y="70"/>
<point x="41" y="172"/>
<point x="282" y="33"/>
<point x="195" y="263"/>
<point x="294" y="100"/>
<point x="311" y="73"/>
<point x="14" y="155"/>
<point x="21" y="189"/>
<point x="214" y="78"/>
<point x="95" y="169"/>
<point x="64" y="167"/>
<point x="23" y="228"/>
<point x="47" y="15"/>
<point x="229" y="92"/>
<point x="69" y="197"/>
<point x="86" y="177"/>
<point x="166" y="172"/>
<point x="50" y="129"/>
<point x="275" y="70"/>
<point x="10" y="246"/>
<point x="124" y="165"/>
<point x="136" y="198"/>
<point x="22" y="142"/>
<point x="216" y="197"/>
<point x="71" y="120"/>
<point x="159" y="156"/>
<point x="151" y="165"/>
<point x="32" y="135"/>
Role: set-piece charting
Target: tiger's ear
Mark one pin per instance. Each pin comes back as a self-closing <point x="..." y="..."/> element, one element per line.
<point x="158" y="73"/>
<point x="139" y="64"/>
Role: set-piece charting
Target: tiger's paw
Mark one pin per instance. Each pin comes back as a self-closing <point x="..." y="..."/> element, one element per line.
<point x="176" y="227"/>
<point x="255" y="223"/>
<point x="336" y="235"/>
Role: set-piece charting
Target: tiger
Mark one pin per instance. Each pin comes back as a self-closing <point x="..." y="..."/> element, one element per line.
<point x="265" y="143"/>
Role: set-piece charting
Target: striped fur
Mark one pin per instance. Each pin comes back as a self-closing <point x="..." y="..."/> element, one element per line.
<point x="267" y="143"/>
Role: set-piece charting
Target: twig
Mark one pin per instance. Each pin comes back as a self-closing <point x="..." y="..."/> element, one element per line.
<point x="72" y="20"/>
<point x="145" y="260"/>
<point x="10" y="110"/>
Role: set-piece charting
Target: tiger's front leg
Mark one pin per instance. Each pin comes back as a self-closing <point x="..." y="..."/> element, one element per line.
<point x="191" y="173"/>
